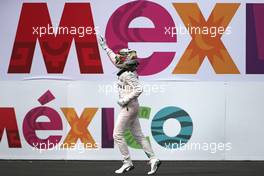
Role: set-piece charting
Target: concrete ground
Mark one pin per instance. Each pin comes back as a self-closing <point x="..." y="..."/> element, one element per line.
<point x="105" y="168"/>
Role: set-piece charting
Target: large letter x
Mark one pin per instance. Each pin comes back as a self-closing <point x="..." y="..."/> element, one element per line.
<point x="203" y="45"/>
<point x="79" y="127"/>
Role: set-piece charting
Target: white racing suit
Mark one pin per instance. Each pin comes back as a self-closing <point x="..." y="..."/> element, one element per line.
<point x="129" y="89"/>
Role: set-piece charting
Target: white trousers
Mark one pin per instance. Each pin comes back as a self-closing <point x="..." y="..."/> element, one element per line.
<point x="127" y="119"/>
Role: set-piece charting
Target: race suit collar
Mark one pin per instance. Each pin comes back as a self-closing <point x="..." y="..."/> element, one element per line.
<point x="121" y="71"/>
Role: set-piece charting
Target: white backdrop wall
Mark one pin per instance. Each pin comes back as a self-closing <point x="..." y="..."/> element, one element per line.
<point x="228" y="114"/>
<point x="102" y="11"/>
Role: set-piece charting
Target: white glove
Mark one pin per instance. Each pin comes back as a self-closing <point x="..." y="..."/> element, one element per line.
<point x="102" y="42"/>
<point x="123" y="102"/>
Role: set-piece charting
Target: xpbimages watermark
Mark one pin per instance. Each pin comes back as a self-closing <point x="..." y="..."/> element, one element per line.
<point x="212" y="31"/>
<point x="77" y="147"/>
<point x="148" y="89"/>
<point x="80" y="31"/>
<point x="211" y="147"/>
